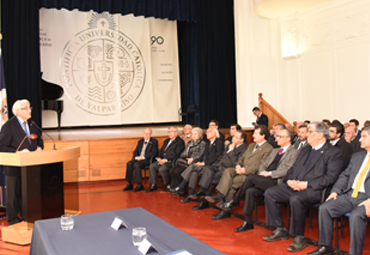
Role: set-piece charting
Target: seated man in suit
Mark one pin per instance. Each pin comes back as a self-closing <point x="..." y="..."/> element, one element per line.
<point x="350" y="193"/>
<point x="248" y="163"/>
<point x="317" y="167"/>
<point x="171" y="149"/>
<point x="271" y="172"/>
<point x="356" y="125"/>
<point x="336" y="131"/>
<point x="213" y="124"/>
<point x="275" y="130"/>
<point x="262" y="118"/>
<point x="186" y="135"/>
<point x="353" y="139"/>
<point x="11" y="136"/>
<point x="233" y="129"/>
<point x="146" y="149"/>
<point x="213" y="151"/>
<point x="301" y="142"/>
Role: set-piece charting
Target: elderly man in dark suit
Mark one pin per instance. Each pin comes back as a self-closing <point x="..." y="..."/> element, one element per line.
<point x="248" y="163"/>
<point x="270" y="173"/>
<point x="171" y="149"/>
<point x="146" y="149"/>
<point x="213" y="151"/>
<point x="350" y="193"/>
<point x="11" y="136"/>
<point x="317" y="167"/>
<point x="211" y="174"/>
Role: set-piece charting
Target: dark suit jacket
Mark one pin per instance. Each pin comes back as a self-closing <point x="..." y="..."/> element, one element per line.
<point x="229" y="159"/>
<point x="150" y="151"/>
<point x="346" y="150"/>
<point x="213" y="152"/>
<point x="323" y="170"/>
<point x="11" y="136"/>
<point x="356" y="145"/>
<point x="347" y="177"/>
<point x="173" y="151"/>
<point x="272" y="140"/>
<point x="263" y="120"/>
<point x="296" y="144"/>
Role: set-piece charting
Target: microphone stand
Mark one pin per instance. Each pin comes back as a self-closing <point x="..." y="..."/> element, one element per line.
<point x="32" y="136"/>
<point x="33" y="123"/>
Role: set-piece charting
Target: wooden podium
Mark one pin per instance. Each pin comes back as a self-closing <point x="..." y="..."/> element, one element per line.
<point x="42" y="188"/>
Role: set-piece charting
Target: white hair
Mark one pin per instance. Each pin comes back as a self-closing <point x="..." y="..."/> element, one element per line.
<point x="17" y="106"/>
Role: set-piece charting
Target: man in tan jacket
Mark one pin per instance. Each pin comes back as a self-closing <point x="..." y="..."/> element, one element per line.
<point x="248" y="163"/>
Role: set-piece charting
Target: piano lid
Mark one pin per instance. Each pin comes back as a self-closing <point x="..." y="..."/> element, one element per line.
<point x="50" y="91"/>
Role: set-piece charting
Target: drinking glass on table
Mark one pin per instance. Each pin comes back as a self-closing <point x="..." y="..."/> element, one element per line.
<point x="67" y="222"/>
<point x="138" y="235"/>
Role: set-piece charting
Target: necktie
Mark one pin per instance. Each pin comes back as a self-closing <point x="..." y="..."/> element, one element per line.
<point x="300" y="145"/>
<point x="25" y="128"/>
<point x="168" y="145"/>
<point x="255" y="148"/>
<point x="281" y="151"/>
<point x="361" y="178"/>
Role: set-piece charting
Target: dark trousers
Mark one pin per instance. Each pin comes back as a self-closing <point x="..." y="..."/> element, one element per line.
<point x="13" y="199"/>
<point x="253" y="186"/>
<point x="136" y="166"/>
<point x="299" y="202"/>
<point x="357" y="221"/>
<point x="163" y="169"/>
<point x="176" y="178"/>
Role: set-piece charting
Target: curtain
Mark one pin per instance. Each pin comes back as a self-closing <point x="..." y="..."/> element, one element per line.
<point x="172" y="9"/>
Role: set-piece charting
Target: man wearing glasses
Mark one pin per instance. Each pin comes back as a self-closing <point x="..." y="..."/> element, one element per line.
<point x="11" y="136"/>
<point x="318" y="166"/>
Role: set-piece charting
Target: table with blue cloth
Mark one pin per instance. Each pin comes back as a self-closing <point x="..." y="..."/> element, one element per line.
<point x="93" y="234"/>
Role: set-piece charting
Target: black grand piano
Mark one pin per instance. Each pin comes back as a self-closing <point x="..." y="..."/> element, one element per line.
<point x="50" y="93"/>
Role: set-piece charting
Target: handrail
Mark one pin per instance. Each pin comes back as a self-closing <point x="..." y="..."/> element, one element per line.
<point x="273" y="115"/>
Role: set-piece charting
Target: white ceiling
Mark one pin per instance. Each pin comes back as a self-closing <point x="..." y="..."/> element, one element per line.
<point x="273" y="9"/>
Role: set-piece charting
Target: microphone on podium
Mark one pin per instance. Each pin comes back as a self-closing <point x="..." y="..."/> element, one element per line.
<point x="32" y="136"/>
<point x="33" y="123"/>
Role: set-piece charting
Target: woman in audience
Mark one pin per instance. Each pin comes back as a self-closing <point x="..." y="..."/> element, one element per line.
<point x="192" y="154"/>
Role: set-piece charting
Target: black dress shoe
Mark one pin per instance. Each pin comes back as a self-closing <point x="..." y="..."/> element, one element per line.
<point x="152" y="188"/>
<point x="229" y="205"/>
<point x="181" y="193"/>
<point x="217" y="198"/>
<point x="128" y="187"/>
<point x="221" y="215"/>
<point x="300" y="242"/>
<point x="244" y="227"/>
<point x="322" y="250"/>
<point x="139" y="187"/>
<point x="202" y="205"/>
<point x="187" y="200"/>
<point x="167" y="189"/>
<point x="278" y="234"/>
<point x="200" y="194"/>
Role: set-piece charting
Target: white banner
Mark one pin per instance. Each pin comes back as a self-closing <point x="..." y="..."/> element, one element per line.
<point x="113" y="69"/>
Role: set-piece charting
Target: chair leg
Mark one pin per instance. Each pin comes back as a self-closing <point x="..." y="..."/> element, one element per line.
<point x="310" y="216"/>
<point x="336" y="234"/>
<point x="288" y="215"/>
<point x="256" y="209"/>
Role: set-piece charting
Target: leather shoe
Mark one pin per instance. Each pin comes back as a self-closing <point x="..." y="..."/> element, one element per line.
<point x="202" y="205"/>
<point x="300" y="242"/>
<point x="167" y="189"/>
<point x="200" y="194"/>
<point x="322" y="250"/>
<point x="139" y="187"/>
<point x="278" y="234"/>
<point x="244" y="227"/>
<point x="128" y="187"/>
<point x="217" y="198"/>
<point x="229" y="205"/>
<point x="152" y="188"/>
<point x="181" y="193"/>
<point x="221" y="215"/>
<point x="187" y="200"/>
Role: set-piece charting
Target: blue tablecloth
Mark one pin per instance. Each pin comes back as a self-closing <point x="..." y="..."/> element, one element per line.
<point x="93" y="234"/>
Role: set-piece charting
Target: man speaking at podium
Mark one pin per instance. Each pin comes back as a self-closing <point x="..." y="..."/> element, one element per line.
<point x="12" y="134"/>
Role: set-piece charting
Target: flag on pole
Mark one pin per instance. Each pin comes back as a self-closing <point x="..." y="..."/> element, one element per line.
<point x="3" y="100"/>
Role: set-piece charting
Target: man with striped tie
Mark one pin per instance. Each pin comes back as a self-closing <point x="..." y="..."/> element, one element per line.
<point x="350" y="193"/>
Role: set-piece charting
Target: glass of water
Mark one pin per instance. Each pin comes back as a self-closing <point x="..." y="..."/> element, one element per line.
<point x="67" y="222"/>
<point x="138" y="235"/>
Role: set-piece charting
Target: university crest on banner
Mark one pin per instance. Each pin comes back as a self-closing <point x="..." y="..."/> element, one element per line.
<point x="102" y="69"/>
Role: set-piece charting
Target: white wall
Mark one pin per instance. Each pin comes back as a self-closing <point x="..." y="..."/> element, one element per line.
<point x="330" y="79"/>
